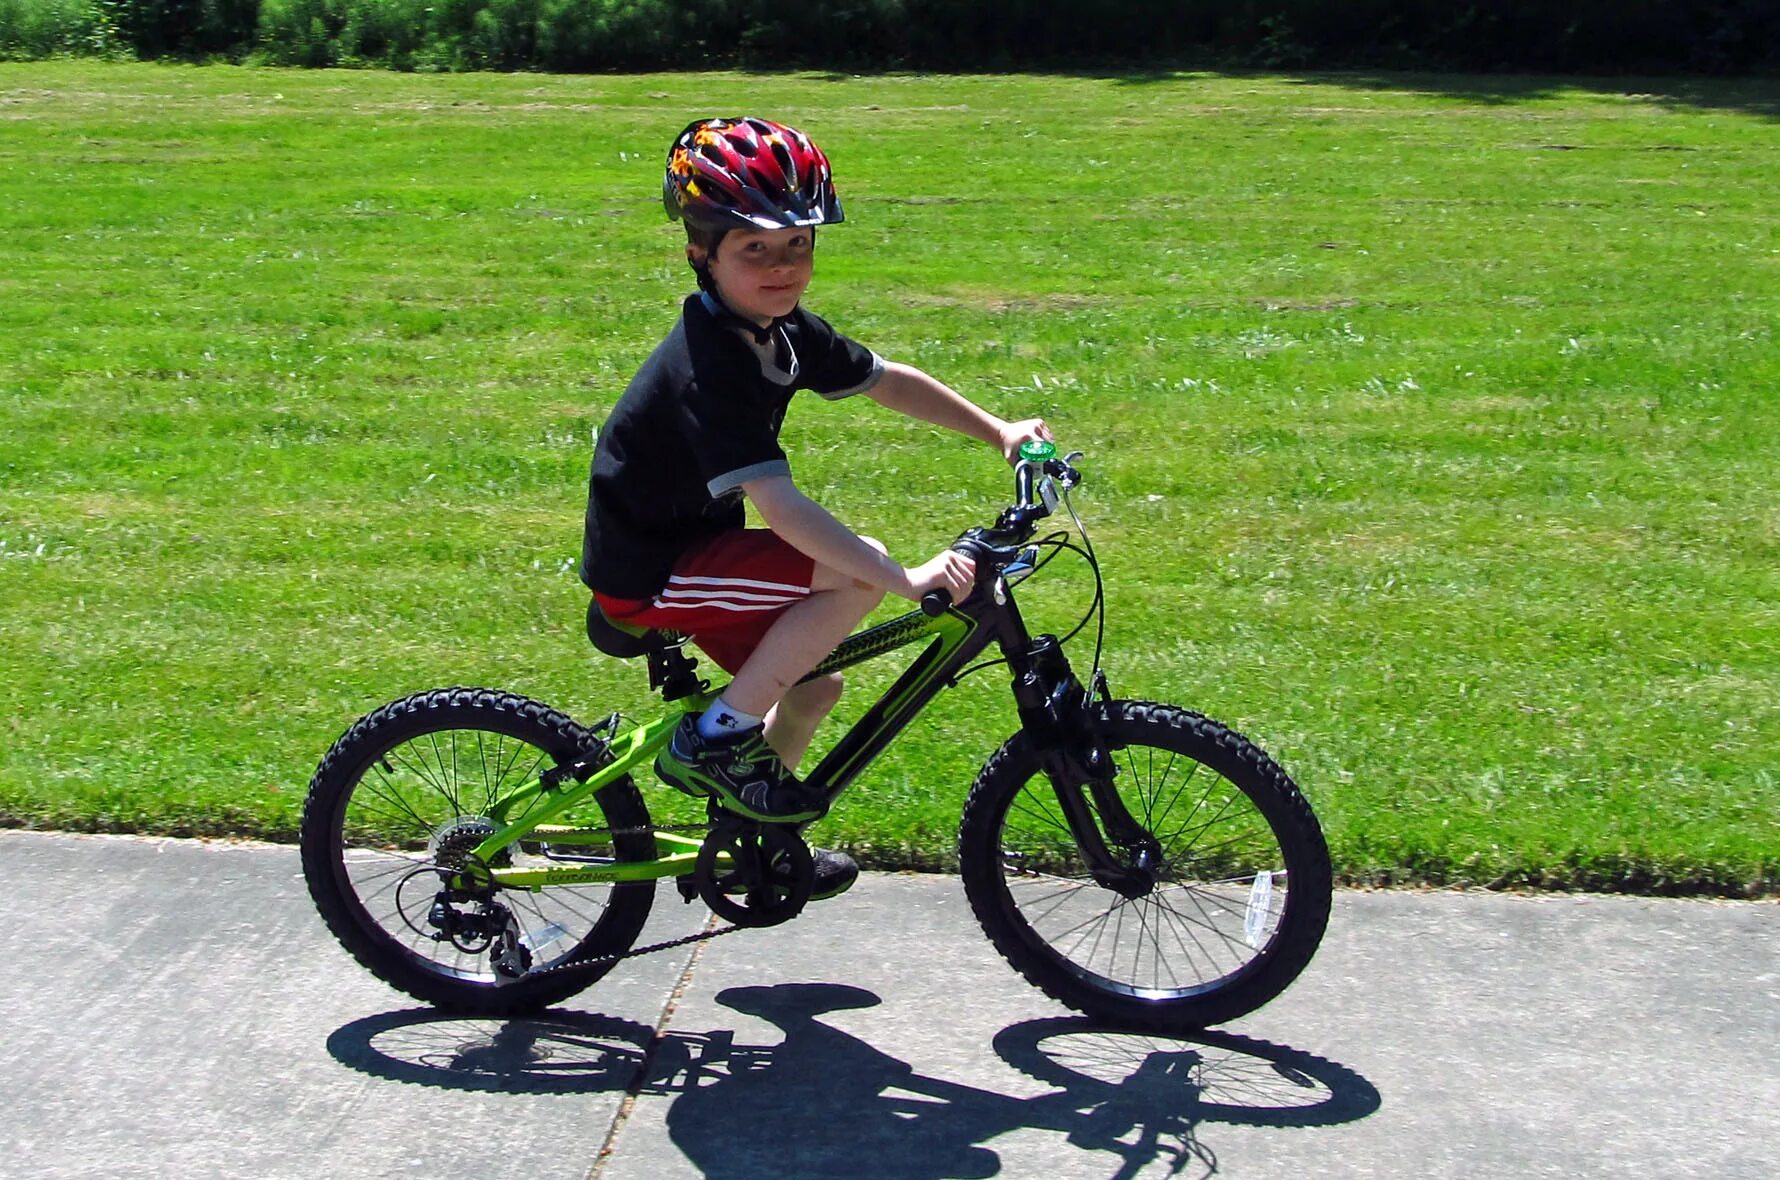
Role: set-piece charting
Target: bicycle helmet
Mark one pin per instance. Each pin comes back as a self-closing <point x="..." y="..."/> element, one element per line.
<point x="745" y="173"/>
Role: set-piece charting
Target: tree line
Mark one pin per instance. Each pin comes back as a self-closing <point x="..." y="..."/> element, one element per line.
<point x="1539" y="36"/>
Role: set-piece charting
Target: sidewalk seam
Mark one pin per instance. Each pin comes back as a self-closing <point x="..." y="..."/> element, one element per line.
<point x="610" y="1147"/>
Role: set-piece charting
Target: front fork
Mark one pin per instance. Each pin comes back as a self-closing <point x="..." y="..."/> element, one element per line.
<point x="1056" y="714"/>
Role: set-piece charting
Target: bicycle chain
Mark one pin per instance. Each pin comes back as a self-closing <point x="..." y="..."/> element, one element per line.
<point x="585" y="965"/>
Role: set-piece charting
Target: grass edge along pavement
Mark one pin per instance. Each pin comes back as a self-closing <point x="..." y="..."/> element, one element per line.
<point x="1420" y="441"/>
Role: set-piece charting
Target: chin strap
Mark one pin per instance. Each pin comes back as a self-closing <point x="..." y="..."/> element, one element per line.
<point x="723" y="315"/>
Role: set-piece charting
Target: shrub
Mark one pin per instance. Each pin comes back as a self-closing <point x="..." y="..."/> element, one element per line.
<point x="1721" y="36"/>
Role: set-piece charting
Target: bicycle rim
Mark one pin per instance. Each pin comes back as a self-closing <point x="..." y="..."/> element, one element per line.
<point x="402" y="802"/>
<point x="1221" y="928"/>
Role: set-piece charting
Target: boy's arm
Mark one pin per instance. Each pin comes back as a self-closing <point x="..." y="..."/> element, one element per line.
<point x="808" y="528"/>
<point x="811" y="529"/>
<point x="908" y="390"/>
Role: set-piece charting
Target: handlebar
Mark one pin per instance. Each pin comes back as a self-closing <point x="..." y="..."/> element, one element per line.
<point x="1037" y="477"/>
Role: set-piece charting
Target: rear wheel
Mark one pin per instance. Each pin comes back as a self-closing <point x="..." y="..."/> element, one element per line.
<point x="1237" y="875"/>
<point x="404" y="796"/>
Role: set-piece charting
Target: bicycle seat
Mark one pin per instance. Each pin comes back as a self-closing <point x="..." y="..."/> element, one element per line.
<point x="622" y="641"/>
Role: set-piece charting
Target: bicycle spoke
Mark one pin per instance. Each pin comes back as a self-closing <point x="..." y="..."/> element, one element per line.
<point x="1222" y="844"/>
<point x="1184" y="933"/>
<point x="488" y="788"/>
<point x="416" y="765"/>
<point x="1205" y="922"/>
<point x="1185" y="782"/>
<point x="1028" y="803"/>
<point x="1173" y="929"/>
<point x="1174" y="836"/>
<point x="1060" y="900"/>
<point x="396" y="799"/>
<point x="448" y="776"/>
<point x="364" y="812"/>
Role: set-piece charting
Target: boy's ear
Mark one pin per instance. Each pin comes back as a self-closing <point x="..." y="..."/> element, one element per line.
<point x="696" y="254"/>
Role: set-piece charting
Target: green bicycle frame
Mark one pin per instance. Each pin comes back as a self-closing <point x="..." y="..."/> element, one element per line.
<point x="954" y="637"/>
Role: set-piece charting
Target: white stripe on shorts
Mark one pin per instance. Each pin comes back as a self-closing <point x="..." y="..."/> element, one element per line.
<point x="734" y="583"/>
<point x="730" y="595"/>
<point x="715" y="604"/>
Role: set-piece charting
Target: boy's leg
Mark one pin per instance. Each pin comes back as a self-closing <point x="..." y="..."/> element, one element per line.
<point x="792" y="722"/>
<point x="798" y="638"/>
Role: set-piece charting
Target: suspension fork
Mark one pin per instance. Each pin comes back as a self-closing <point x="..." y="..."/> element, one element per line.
<point x="1055" y="712"/>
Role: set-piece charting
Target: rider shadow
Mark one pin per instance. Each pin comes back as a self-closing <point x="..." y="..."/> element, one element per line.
<point x="824" y="1102"/>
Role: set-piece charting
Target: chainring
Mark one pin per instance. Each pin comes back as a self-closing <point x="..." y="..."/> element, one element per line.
<point x="754" y="874"/>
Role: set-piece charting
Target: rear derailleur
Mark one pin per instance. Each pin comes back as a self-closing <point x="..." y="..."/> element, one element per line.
<point x="474" y="922"/>
<point x="464" y="911"/>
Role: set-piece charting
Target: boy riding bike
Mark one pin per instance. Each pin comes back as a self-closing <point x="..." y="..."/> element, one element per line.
<point x="697" y="429"/>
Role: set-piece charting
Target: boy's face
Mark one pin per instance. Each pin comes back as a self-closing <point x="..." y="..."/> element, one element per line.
<point x="761" y="273"/>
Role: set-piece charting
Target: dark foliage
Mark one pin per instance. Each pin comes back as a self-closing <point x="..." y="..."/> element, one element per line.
<point x="1580" y="36"/>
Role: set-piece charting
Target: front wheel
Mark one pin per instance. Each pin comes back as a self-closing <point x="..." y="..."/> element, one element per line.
<point x="1234" y="886"/>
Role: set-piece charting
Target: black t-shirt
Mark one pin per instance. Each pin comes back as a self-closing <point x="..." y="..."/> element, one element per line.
<point x="700" y="418"/>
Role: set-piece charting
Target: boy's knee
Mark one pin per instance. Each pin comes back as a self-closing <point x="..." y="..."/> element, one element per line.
<point x="827" y="690"/>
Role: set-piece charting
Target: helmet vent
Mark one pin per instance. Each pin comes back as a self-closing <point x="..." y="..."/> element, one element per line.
<point x="782" y="154"/>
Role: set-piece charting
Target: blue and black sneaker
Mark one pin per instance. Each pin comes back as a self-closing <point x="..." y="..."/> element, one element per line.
<point x="835" y="873"/>
<point x="743" y="772"/>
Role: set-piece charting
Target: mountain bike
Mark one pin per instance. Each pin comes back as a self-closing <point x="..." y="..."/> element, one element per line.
<point x="1136" y="861"/>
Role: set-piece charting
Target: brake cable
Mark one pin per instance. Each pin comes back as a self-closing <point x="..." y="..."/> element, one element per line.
<point x="1096" y="680"/>
<point x="1057" y="542"/>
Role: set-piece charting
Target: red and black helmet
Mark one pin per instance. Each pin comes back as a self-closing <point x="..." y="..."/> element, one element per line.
<point x="748" y="174"/>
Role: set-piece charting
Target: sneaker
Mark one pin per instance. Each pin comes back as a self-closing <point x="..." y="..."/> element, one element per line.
<point x="835" y="873"/>
<point x="743" y="772"/>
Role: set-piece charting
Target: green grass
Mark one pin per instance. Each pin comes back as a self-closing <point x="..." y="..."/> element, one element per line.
<point x="1431" y="427"/>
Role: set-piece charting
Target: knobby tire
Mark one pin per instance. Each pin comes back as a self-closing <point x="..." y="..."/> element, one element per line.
<point x="1213" y="940"/>
<point x="427" y="762"/>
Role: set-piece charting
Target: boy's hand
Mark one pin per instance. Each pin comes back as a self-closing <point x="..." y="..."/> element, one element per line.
<point x="1011" y="434"/>
<point x="951" y="571"/>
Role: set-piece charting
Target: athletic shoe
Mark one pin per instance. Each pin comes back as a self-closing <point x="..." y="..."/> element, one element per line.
<point x="835" y="873"/>
<point x="743" y="772"/>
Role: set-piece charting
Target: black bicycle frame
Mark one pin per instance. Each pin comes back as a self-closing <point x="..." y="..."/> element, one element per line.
<point x="1052" y="703"/>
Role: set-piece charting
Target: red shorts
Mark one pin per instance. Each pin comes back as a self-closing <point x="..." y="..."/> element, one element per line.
<point x="725" y="594"/>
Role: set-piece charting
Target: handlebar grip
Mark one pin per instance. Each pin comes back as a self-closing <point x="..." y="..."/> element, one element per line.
<point x="935" y="602"/>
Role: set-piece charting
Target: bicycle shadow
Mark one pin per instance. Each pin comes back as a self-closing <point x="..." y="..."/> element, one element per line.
<point x="825" y="1102"/>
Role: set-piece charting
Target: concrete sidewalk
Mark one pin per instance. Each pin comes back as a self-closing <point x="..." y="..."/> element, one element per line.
<point x="177" y="1009"/>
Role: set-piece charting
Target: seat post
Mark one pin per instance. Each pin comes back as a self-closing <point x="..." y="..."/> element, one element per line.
<point x="670" y="668"/>
<point x="673" y="671"/>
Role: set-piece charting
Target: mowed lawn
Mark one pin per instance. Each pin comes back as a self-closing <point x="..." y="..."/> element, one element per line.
<point x="1431" y="427"/>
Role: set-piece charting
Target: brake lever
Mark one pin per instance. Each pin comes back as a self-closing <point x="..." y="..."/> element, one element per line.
<point x="1024" y="563"/>
<point x="1064" y="470"/>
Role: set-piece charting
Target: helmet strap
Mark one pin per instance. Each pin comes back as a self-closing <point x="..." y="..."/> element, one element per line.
<point x="727" y="316"/>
